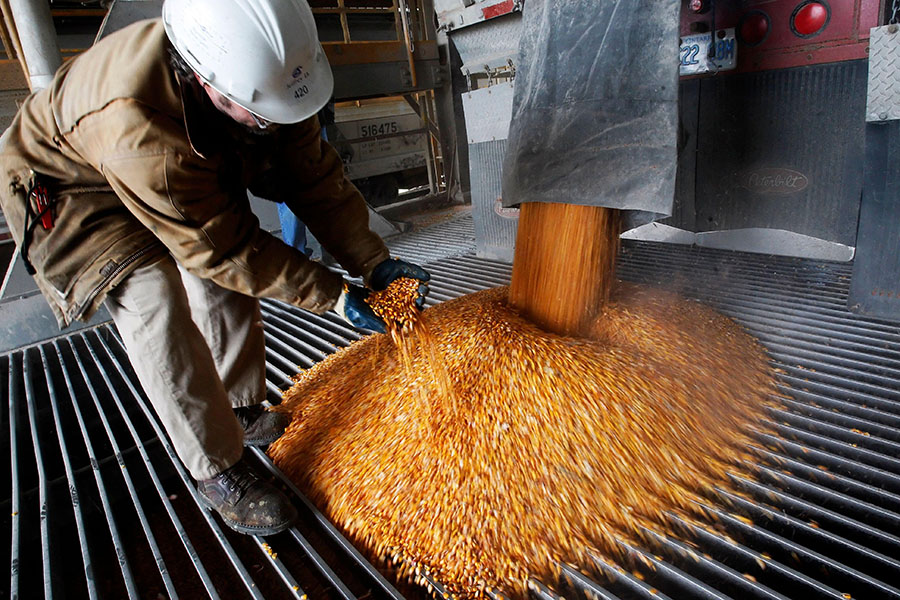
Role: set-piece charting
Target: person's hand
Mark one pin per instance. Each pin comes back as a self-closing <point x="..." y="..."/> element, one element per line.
<point x="352" y="306"/>
<point x="387" y="271"/>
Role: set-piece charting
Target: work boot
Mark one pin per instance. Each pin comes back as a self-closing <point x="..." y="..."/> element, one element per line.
<point x="261" y="426"/>
<point x="247" y="503"/>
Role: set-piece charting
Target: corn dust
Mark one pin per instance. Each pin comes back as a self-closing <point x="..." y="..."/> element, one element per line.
<point x="551" y="445"/>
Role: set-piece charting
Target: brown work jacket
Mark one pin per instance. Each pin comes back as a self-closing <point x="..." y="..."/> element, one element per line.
<point x="140" y="165"/>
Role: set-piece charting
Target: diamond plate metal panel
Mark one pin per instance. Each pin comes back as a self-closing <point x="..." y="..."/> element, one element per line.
<point x="491" y="45"/>
<point x="883" y="94"/>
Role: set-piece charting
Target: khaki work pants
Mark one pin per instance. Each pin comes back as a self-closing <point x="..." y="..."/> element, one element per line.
<point x="198" y="350"/>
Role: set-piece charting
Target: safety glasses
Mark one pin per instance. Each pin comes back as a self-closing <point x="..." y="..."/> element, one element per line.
<point x="260" y="122"/>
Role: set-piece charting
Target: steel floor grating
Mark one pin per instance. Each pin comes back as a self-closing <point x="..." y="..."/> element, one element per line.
<point x="101" y="508"/>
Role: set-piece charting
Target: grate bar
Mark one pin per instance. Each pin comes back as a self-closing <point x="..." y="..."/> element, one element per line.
<point x="322" y="566"/>
<point x="273" y="389"/>
<point x="217" y="532"/>
<point x="829" y="463"/>
<point x="74" y="488"/>
<point x="812" y="529"/>
<point x="816" y="558"/>
<point x="482" y="265"/>
<point x="16" y="491"/>
<point x="762" y="281"/>
<point x="329" y="528"/>
<point x="717" y="570"/>
<point x="863" y="429"/>
<point x="464" y="277"/>
<point x="769" y="286"/>
<point x="831" y="496"/>
<point x="810" y="330"/>
<point x="124" y="567"/>
<point x="584" y="583"/>
<point x="43" y="495"/>
<point x="151" y="470"/>
<point x="494" y="594"/>
<point x="782" y="265"/>
<point x="863" y="438"/>
<point x="880" y="419"/>
<point x="314" y="325"/>
<point x="748" y="274"/>
<point x="818" y="378"/>
<point x="859" y="365"/>
<point x="284" y="379"/>
<point x="295" y="590"/>
<point x="453" y="288"/>
<point x="436" y="586"/>
<point x="279" y="335"/>
<point x="458" y="290"/>
<point x="629" y="582"/>
<point x="279" y="372"/>
<point x="683" y="581"/>
<point x="454" y="237"/>
<point x="846" y="455"/>
<point x="823" y="281"/>
<point x="823" y="515"/>
<point x="537" y="589"/>
<point x="286" y="332"/>
<point x="834" y="390"/>
<point x="435" y="296"/>
<point x="473" y="282"/>
<point x="790" y="305"/>
<point x="752" y="559"/>
<point x="792" y="311"/>
<point x="129" y="482"/>
<point x="879" y="385"/>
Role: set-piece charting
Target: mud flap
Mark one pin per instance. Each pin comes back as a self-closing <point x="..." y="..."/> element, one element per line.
<point x="875" y="286"/>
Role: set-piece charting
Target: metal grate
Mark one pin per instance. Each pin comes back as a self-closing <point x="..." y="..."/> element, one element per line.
<point x="454" y="237"/>
<point x="101" y="507"/>
<point x="823" y="516"/>
<point x="93" y="474"/>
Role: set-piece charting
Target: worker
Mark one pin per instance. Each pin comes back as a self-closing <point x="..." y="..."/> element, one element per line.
<point x="125" y="184"/>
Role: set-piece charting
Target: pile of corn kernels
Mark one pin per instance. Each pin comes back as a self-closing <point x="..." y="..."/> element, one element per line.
<point x="545" y="449"/>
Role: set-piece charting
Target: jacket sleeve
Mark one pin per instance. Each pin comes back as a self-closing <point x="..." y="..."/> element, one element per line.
<point x="309" y="178"/>
<point x="208" y="228"/>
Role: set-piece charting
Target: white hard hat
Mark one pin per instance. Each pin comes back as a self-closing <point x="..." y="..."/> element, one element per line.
<point x="261" y="54"/>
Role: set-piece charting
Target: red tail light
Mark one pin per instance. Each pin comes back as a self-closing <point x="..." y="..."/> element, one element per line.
<point x="753" y="28"/>
<point x="810" y="18"/>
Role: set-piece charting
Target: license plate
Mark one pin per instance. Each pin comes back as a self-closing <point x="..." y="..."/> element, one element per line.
<point x="695" y="56"/>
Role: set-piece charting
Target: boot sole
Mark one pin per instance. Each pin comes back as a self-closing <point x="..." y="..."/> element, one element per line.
<point x="248" y="529"/>
<point x="261" y="441"/>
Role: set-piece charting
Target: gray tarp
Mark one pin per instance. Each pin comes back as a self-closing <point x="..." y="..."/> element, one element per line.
<point x="595" y="110"/>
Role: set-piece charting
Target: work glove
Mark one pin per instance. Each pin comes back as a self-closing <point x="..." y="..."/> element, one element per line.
<point x="387" y="271"/>
<point x="352" y="306"/>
